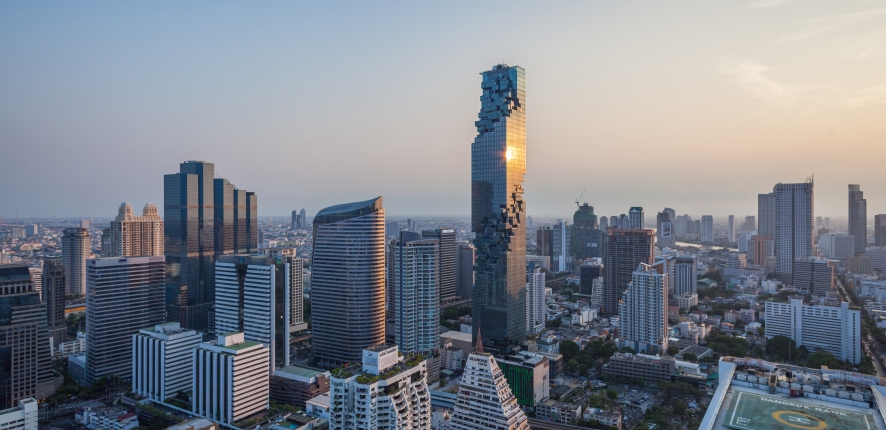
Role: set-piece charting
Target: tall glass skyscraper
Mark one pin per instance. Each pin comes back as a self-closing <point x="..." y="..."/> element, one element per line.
<point x="348" y="281"/>
<point x="498" y="164"/>
<point x="203" y="217"/>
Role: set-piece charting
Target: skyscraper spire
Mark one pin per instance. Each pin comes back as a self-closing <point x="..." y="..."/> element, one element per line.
<point x="478" y="347"/>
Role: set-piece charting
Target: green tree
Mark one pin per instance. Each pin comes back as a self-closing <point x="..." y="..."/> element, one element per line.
<point x="690" y="357"/>
<point x="569" y="350"/>
<point x="572" y="365"/>
<point x="784" y="348"/>
<point x="611" y="394"/>
<point x="672" y="351"/>
<point x="627" y="350"/>
<point x="679" y="408"/>
<point x="583" y="369"/>
<point x="823" y="358"/>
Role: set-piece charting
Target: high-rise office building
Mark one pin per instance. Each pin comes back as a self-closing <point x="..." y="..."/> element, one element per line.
<point x="685" y="275"/>
<point x="613" y="222"/>
<point x="123" y="296"/>
<point x="834" y="329"/>
<point x="586" y="236"/>
<point x="348" y="281"/>
<point x="815" y="275"/>
<point x="880" y="230"/>
<point x="759" y="249"/>
<point x="749" y="225"/>
<point x="794" y="226"/>
<point x="162" y="360"/>
<point x="636" y="217"/>
<point x="37" y="279"/>
<point x="858" y="218"/>
<point x="204" y="217"/>
<point x="135" y="236"/>
<point x="498" y="165"/>
<point x="667" y="264"/>
<point x="643" y="312"/>
<point x="231" y="379"/>
<point x="189" y="234"/>
<point x="665" y="235"/>
<point x="75" y="251"/>
<point x="296" y="282"/>
<point x="535" y="302"/>
<point x="485" y="401"/>
<point x="413" y="292"/>
<point x="836" y="245"/>
<point x="236" y="219"/>
<point x="253" y="296"/>
<point x="623" y="251"/>
<point x="25" y="356"/>
<point x="707" y="228"/>
<point x="544" y="242"/>
<point x="730" y="229"/>
<point x="54" y="297"/>
<point x="766" y="214"/>
<point x="293" y="224"/>
<point x="562" y="245"/>
<point x="464" y="263"/>
<point x="604" y="223"/>
<point x="590" y="274"/>
<point x="446" y="264"/>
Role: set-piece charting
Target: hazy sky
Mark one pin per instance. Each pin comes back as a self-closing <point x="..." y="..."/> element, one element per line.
<point x="696" y="105"/>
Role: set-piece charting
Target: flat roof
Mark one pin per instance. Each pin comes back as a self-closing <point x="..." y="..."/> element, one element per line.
<point x="301" y="371"/>
<point x="740" y="405"/>
<point x="749" y="409"/>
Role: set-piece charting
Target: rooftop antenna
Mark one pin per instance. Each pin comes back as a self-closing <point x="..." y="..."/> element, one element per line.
<point x="577" y="204"/>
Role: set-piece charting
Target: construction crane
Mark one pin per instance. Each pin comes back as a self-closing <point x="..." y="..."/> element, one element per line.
<point x="577" y="204"/>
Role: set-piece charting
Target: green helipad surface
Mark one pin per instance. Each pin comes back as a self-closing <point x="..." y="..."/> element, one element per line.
<point x="751" y="411"/>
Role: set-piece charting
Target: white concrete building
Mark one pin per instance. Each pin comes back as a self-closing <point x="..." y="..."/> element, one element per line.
<point x="643" y="312"/>
<point x="878" y="257"/>
<point x="687" y="300"/>
<point x="253" y="295"/>
<point x="21" y="417"/>
<point x="836" y="330"/>
<point x="707" y="228"/>
<point x="836" y="245"/>
<point x="686" y="275"/>
<point x="231" y="379"/>
<point x="485" y="401"/>
<point x="390" y="393"/>
<point x="413" y="288"/>
<point x="535" y="302"/>
<point x="162" y="360"/>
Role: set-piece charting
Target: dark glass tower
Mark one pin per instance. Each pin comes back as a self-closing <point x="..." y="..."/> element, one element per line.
<point x="858" y="218"/>
<point x="25" y="356"/>
<point x="54" y="296"/>
<point x="586" y="235"/>
<point x="623" y="251"/>
<point x="348" y="281"/>
<point x="498" y="164"/>
<point x="203" y="217"/>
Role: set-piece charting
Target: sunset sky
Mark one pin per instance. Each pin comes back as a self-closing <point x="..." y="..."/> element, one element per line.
<point x="695" y="105"/>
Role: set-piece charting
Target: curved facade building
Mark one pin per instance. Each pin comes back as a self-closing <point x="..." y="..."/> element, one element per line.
<point x="498" y="164"/>
<point x="348" y="282"/>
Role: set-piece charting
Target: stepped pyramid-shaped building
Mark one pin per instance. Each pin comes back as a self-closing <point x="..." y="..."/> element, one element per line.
<point x="484" y="399"/>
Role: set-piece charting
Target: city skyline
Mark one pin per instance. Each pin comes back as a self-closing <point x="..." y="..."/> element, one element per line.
<point x="805" y="86"/>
